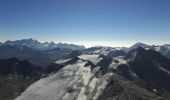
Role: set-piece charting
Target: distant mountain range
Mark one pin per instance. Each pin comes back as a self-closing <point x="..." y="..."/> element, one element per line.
<point x="38" y="53"/>
<point x="121" y="51"/>
<point x="43" y="58"/>
<point x="46" y="53"/>
<point x="34" y="44"/>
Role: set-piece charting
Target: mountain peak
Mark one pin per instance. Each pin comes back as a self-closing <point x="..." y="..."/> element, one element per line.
<point x="139" y="44"/>
<point x="135" y="53"/>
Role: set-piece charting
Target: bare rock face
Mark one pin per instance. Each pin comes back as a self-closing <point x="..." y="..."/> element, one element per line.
<point x="16" y="75"/>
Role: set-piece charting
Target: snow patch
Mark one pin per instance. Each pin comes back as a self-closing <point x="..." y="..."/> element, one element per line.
<point x="61" y="61"/>
<point x="102" y="85"/>
<point x="93" y="58"/>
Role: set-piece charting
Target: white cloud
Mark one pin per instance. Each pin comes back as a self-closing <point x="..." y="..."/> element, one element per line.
<point x="101" y="43"/>
<point x="116" y="43"/>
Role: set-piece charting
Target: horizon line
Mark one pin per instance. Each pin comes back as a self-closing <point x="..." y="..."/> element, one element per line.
<point x="96" y="43"/>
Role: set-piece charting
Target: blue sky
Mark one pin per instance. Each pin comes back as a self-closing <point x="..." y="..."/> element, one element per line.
<point x="88" y="22"/>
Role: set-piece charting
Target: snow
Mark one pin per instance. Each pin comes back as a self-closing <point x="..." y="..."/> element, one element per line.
<point x="67" y="84"/>
<point x="61" y="61"/>
<point x="102" y="50"/>
<point x="121" y="60"/>
<point x="93" y="58"/>
<point x="106" y="50"/>
<point x="54" y="86"/>
<point x="113" y="65"/>
<point x="81" y="95"/>
<point x="73" y="82"/>
<point x="93" y="83"/>
<point x="102" y="84"/>
<point x="157" y="48"/>
<point x="163" y="69"/>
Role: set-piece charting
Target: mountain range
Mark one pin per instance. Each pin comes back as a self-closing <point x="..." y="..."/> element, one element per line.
<point x="46" y="53"/>
<point x="33" y="72"/>
<point x="43" y="58"/>
<point x="34" y="44"/>
<point x="47" y="46"/>
<point x="38" y="53"/>
<point x="140" y="75"/>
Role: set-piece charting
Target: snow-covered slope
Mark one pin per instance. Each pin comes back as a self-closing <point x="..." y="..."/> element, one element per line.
<point x="74" y="82"/>
<point x="93" y="58"/>
<point x="93" y="77"/>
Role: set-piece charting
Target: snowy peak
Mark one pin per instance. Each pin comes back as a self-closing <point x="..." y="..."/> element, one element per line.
<point x="100" y="50"/>
<point x="138" y="49"/>
<point x="106" y="51"/>
<point x="140" y="45"/>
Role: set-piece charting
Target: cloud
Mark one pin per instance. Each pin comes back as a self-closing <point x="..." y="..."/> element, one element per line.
<point x="101" y="43"/>
<point x="116" y="43"/>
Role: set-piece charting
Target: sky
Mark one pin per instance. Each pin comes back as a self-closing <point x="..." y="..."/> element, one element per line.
<point x="86" y="22"/>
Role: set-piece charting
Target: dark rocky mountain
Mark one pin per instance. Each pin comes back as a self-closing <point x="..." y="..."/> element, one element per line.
<point x="16" y="75"/>
<point x="57" y="53"/>
<point x="163" y="49"/>
<point x="144" y="69"/>
<point x="43" y="58"/>
<point x="167" y="54"/>
<point x="74" y="54"/>
<point x="34" y="44"/>
<point x="116" y="53"/>
<point x="19" y="67"/>
<point x="151" y="66"/>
